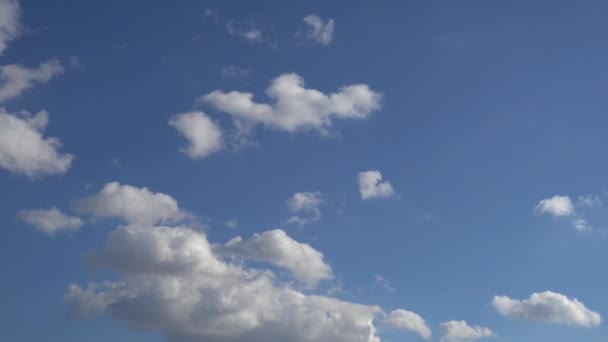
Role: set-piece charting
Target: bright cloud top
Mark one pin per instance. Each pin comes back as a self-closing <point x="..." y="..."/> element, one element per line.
<point x="25" y="150"/>
<point x="460" y="331"/>
<point x="132" y="204"/>
<point x="204" y="136"/>
<point x="305" y="203"/>
<point x="297" y="108"/>
<point x="407" y="320"/>
<point x="10" y="28"/>
<point x="15" y="78"/>
<point x="50" y="221"/>
<point x="548" y="307"/>
<point x="556" y="206"/>
<point x="372" y="186"/>
<point x="277" y="248"/>
<point x="319" y="30"/>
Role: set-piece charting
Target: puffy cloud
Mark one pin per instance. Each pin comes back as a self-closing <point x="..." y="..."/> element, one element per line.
<point x="10" y="28"/>
<point x="403" y="319"/>
<point x="50" y="221"/>
<point x="295" y="107"/>
<point x="556" y="206"/>
<point x="372" y="186"/>
<point x="25" y="150"/>
<point x="319" y="31"/>
<point x="15" y="78"/>
<point x="548" y="307"/>
<point x="307" y="203"/>
<point x="277" y="248"/>
<point x="132" y="204"/>
<point x="172" y="281"/>
<point x="460" y="331"/>
<point x="205" y="137"/>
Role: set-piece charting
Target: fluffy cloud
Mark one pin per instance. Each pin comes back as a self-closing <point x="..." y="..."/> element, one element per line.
<point x="50" y="221"/>
<point x="548" y="307"/>
<point x="15" y="79"/>
<point x="277" y="248"/>
<point x="132" y="204"/>
<point x="10" y="28"/>
<point x="460" y="331"/>
<point x="25" y="150"/>
<point x="556" y="206"/>
<point x="372" y="186"/>
<point x="295" y="107"/>
<point x="319" y="31"/>
<point x="306" y="203"/>
<point x="205" y="137"/>
<point x="403" y="319"/>
<point x="172" y="281"/>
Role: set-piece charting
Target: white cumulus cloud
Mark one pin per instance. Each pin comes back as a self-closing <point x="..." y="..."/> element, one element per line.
<point x="319" y="31"/>
<point x="204" y="136"/>
<point x="407" y="320"/>
<point x="556" y="206"/>
<point x="15" y="78"/>
<point x="372" y="186"/>
<point x="50" y="221"/>
<point x="307" y="203"/>
<point x="295" y="107"/>
<point x="548" y="307"/>
<point x="10" y="27"/>
<point x="460" y="331"/>
<point x="25" y="150"/>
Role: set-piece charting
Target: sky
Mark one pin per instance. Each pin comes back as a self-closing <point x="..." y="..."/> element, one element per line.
<point x="303" y="171"/>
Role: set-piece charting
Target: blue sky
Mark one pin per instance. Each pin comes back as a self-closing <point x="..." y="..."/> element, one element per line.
<point x="310" y="171"/>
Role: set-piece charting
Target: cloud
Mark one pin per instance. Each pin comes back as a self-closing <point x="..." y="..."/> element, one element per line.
<point x="548" y="307"/>
<point x="132" y="204"/>
<point x="556" y="206"/>
<point x="171" y="281"/>
<point x="307" y="203"/>
<point x="590" y="201"/>
<point x="25" y="150"/>
<point x="253" y="34"/>
<point x="372" y="186"/>
<point x="319" y="31"/>
<point x="296" y="108"/>
<point x="407" y="320"/>
<point x="10" y="27"/>
<point x="204" y="136"/>
<point x="15" y="78"/>
<point x="50" y="221"/>
<point x="460" y="331"/>
<point x="380" y="280"/>
<point x="277" y="248"/>
<point x="236" y="73"/>
<point x="581" y="225"/>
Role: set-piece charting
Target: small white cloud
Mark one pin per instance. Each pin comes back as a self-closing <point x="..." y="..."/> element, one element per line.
<point x="232" y="223"/>
<point x="556" y="206"/>
<point x="319" y="31"/>
<point x="581" y="225"/>
<point x="372" y="186"/>
<point x="548" y="307"/>
<point x="15" y="79"/>
<point x="50" y="221"/>
<point x="380" y="280"/>
<point x="25" y="150"/>
<point x="407" y="320"/>
<point x="253" y="34"/>
<point x="297" y="108"/>
<point x="305" y="203"/>
<point x="460" y="331"/>
<point x="10" y="27"/>
<point x="132" y="204"/>
<point x="204" y="135"/>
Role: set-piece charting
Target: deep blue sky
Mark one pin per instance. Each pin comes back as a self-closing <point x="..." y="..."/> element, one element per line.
<point x="487" y="109"/>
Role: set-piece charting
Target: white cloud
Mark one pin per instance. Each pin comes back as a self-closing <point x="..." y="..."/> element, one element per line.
<point x="548" y="307"/>
<point x="403" y="319"/>
<point x="172" y="281"/>
<point x="205" y="136"/>
<point x="25" y="150"/>
<point x="15" y="78"/>
<point x="372" y="186"/>
<point x="380" y="280"/>
<point x="277" y="248"/>
<point x="50" y="221"/>
<point x="306" y="203"/>
<point x="253" y="34"/>
<point x="10" y="28"/>
<point x="132" y="204"/>
<point x="295" y="107"/>
<point x="556" y="206"/>
<point x="319" y="31"/>
<point x="581" y="225"/>
<point x="460" y="331"/>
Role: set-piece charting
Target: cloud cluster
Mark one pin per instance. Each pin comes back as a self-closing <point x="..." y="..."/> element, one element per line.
<point x="460" y="331"/>
<point x="306" y="203"/>
<point x="204" y="136"/>
<point x="564" y="207"/>
<point x="372" y="186"/>
<point x="50" y="221"/>
<point x="25" y="150"/>
<point x="548" y="307"/>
